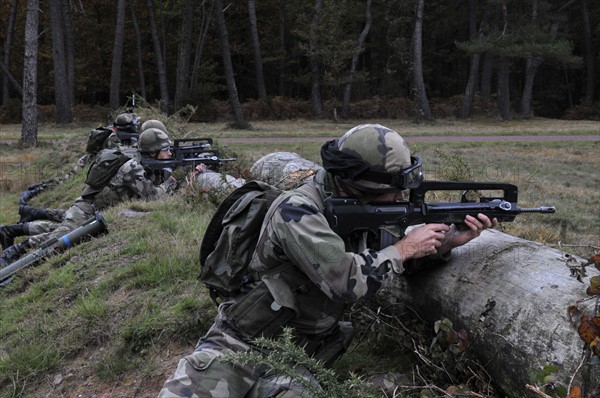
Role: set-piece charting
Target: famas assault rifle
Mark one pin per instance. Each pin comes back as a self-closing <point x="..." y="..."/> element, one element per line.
<point x="93" y="227"/>
<point x="188" y="152"/>
<point x="387" y="222"/>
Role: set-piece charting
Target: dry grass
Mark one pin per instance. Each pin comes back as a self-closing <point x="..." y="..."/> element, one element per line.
<point x="325" y="128"/>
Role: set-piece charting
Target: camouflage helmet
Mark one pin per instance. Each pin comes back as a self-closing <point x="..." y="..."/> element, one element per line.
<point x="372" y="158"/>
<point x="126" y="121"/>
<point x="153" y="140"/>
<point x="154" y="123"/>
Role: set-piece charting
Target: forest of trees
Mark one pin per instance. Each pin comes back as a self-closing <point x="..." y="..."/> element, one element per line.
<point x="532" y="57"/>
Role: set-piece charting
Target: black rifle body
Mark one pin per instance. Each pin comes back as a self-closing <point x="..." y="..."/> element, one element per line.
<point x="188" y="152"/>
<point x="389" y="221"/>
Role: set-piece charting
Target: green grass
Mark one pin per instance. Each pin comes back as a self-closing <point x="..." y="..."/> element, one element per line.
<point x="127" y="305"/>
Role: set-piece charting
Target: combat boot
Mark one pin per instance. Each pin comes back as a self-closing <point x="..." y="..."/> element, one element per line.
<point x="29" y="213"/>
<point x="8" y="233"/>
<point x="12" y="254"/>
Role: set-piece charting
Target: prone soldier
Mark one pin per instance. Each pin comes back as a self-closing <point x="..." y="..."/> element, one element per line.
<point x="130" y="181"/>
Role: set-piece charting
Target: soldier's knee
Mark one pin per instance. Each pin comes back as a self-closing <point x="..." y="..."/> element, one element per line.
<point x="202" y="374"/>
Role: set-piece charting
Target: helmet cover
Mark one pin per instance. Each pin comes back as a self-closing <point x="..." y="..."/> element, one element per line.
<point x="153" y="140"/>
<point x="372" y="158"/>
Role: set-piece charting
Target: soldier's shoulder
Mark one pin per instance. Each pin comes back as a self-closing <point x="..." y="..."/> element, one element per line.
<point x="131" y="166"/>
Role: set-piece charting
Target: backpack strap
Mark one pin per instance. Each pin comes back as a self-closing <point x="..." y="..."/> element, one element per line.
<point x="213" y="230"/>
<point x="305" y="190"/>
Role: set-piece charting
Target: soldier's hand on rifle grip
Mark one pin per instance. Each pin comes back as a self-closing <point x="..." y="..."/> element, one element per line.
<point x="473" y="227"/>
<point x="200" y="168"/>
<point x="424" y="240"/>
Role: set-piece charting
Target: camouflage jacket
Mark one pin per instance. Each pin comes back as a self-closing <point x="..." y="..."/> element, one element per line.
<point x="112" y="142"/>
<point x="316" y="273"/>
<point x="131" y="181"/>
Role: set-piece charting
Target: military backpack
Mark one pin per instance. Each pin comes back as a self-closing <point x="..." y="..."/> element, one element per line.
<point x="107" y="164"/>
<point x="97" y="139"/>
<point x="231" y="237"/>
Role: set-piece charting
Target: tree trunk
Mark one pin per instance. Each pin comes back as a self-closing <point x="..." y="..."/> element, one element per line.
<point x="30" y="111"/>
<point x="138" y="46"/>
<point x="64" y="113"/>
<point x="514" y="298"/>
<point x="206" y="19"/>
<point x="160" y="65"/>
<point x="11" y="79"/>
<point x="10" y="28"/>
<point x="589" y="54"/>
<point x="422" y="103"/>
<point x="117" y="58"/>
<point x="315" y="62"/>
<point x="354" y="63"/>
<point x="503" y="88"/>
<point x="531" y="67"/>
<point x="282" y="49"/>
<point x="234" y="100"/>
<point x="469" y="98"/>
<point x="258" y="65"/>
<point x="487" y="72"/>
<point x="69" y="49"/>
<point x="185" y="53"/>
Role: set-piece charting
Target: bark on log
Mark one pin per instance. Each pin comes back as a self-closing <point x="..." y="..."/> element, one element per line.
<point x="286" y="170"/>
<point x="528" y="326"/>
<point x="218" y="183"/>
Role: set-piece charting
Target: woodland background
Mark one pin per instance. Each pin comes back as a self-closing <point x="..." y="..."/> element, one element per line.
<point x="279" y="59"/>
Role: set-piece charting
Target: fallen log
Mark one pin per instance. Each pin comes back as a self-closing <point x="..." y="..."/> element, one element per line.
<point x="218" y="182"/>
<point x="285" y="170"/>
<point x="520" y="302"/>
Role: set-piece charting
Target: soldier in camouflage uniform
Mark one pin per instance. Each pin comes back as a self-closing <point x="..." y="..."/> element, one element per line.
<point x="29" y="225"/>
<point x="126" y="131"/>
<point x="131" y="181"/>
<point x="125" y="134"/>
<point x="310" y="274"/>
<point x="154" y="123"/>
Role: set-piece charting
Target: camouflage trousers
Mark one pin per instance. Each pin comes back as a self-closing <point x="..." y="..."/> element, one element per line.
<point x="75" y="217"/>
<point x="41" y="226"/>
<point x="204" y="374"/>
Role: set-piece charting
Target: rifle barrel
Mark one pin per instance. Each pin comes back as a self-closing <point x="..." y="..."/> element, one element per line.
<point x="541" y="209"/>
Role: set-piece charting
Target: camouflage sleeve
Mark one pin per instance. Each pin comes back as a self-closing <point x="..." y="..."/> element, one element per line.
<point x="301" y="235"/>
<point x="133" y="177"/>
<point x="113" y="141"/>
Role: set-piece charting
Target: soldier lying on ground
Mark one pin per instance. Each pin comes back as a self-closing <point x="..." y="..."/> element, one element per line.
<point x="124" y="133"/>
<point x="125" y="123"/>
<point x="130" y="181"/>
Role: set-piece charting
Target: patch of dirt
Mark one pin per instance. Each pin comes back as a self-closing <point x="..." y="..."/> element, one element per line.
<point x="77" y="379"/>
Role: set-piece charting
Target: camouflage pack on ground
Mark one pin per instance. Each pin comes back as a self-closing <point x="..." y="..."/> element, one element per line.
<point x="96" y="139"/>
<point x="107" y="164"/>
<point x="230" y="238"/>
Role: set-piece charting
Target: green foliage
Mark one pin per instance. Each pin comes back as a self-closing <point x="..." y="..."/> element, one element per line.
<point x="93" y="309"/>
<point x="385" y="66"/>
<point x="284" y="357"/>
<point x="29" y="361"/>
<point x="544" y="377"/>
<point x="454" y="167"/>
